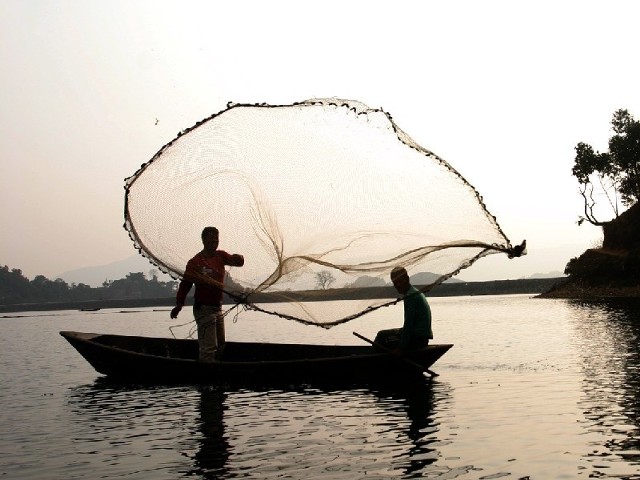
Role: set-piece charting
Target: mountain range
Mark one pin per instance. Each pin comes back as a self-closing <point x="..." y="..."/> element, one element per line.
<point x="95" y="276"/>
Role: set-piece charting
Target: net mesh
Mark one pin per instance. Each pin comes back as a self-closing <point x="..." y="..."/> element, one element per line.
<point x="323" y="198"/>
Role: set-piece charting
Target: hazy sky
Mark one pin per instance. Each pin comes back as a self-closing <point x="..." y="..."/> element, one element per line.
<point x="502" y="90"/>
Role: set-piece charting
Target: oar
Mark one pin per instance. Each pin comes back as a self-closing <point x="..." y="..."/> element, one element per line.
<point x="399" y="355"/>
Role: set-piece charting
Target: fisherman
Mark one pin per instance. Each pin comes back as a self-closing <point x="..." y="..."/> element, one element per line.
<point x="416" y="330"/>
<point x="206" y="271"/>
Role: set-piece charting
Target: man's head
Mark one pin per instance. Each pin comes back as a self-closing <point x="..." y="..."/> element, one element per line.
<point x="210" y="238"/>
<point x="400" y="279"/>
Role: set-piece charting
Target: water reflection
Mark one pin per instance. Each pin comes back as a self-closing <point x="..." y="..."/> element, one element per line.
<point x="329" y="431"/>
<point x="607" y="341"/>
<point x="120" y="429"/>
<point x="418" y="404"/>
<point x="404" y="413"/>
<point x="212" y="454"/>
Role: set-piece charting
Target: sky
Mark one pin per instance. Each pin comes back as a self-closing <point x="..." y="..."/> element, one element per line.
<point x="502" y="90"/>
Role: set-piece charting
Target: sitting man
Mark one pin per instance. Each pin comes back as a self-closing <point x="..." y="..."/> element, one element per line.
<point x="416" y="330"/>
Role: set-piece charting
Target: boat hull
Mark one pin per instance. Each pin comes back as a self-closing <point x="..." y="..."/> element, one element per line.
<point x="148" y="359"/>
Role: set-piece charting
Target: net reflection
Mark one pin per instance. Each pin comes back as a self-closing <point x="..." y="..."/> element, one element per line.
<point x="607" y="344"/>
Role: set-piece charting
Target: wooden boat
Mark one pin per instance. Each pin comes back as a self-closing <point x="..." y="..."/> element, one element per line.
<point x="149" y="359"/>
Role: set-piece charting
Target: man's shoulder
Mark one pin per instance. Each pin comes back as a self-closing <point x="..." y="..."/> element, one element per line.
<point x="203" y="258"/>
<point x="198" y="256"/>
<point x="415" y="296"/>
<point x="412" y="291"/>
<point x="224" y="256"/>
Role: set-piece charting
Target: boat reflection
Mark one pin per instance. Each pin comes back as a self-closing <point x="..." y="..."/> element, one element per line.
<point x="231" y="431"/>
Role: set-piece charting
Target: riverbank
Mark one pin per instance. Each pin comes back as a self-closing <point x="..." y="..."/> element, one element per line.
<point x="495" y="287"/>
<point x="577" y="291"/>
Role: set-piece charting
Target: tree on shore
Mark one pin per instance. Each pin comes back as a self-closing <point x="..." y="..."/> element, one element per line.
<point x="324" y="279"/>
<point x="15" y="288"/>
<point x="615" y="172"/>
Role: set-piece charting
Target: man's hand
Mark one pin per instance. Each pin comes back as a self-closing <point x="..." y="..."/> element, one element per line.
<point x="175" y="311"/>
<point x="237" y="260"/>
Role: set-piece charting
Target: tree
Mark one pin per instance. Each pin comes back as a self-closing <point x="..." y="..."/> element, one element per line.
<point x="14" y="287"/>
<point x="135" y="285"/>
<point x="49" y="290"/>
<point x="324" y="279"/>
<point x="616" y="172"/>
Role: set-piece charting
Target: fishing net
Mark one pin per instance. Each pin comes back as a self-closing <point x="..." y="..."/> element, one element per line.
<point x="323" y="198"/>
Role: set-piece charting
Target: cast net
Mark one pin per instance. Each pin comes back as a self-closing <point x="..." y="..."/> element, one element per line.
<point x="323" y="198"/>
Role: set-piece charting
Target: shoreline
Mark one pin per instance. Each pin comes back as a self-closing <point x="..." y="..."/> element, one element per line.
<point x="493" y="287"/>
<point x="572" y="291"/>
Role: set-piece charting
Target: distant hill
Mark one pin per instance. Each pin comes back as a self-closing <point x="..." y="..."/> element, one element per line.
<point x="95" y="276"/>
<point x="426" y="278"/>
<point x="422" y="278"/>
<point x="367" y="281"/>
<point x="555" y="274"/>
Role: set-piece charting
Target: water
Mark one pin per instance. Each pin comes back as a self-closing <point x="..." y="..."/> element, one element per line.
<point x="532" y="389"/>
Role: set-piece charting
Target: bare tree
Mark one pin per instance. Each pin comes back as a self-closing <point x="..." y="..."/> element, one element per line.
<point x="616" y="172"/>
<point x="324" y="279"/>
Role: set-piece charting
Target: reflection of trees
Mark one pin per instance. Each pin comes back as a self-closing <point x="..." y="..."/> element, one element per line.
<point x="608" y="336"/>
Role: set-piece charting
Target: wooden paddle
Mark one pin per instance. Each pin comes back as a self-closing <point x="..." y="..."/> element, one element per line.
<point x="399" y="355"/>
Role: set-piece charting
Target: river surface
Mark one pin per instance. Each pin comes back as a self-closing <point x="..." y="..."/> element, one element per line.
<point x="532" y="389"/>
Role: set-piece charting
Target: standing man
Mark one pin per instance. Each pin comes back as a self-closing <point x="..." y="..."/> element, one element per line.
<point x="206" y="270"/>
<point x="416" y="330"/>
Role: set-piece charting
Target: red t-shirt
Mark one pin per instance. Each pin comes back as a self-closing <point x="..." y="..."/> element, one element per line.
<point x="207" y="272"/>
